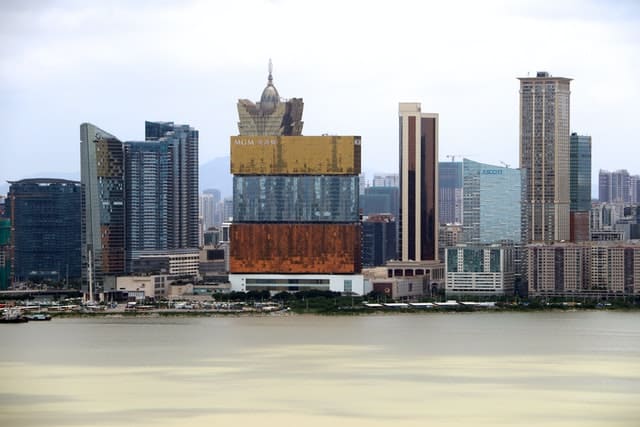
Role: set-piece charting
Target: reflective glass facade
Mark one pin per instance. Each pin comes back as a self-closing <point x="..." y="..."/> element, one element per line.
<point x="580" y="173"/>
<point x="103" y="226"/>
<point x="286" y="198"/>
<point x="492" y="203"/>
<point x="46" y="220"/>
<point x="5" y="262"/>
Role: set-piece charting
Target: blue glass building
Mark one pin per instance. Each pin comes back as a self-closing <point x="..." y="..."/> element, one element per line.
<point x="46" y="220"/>
<point x="492" y="204"/>
<point x="580" y="173"/>
<point x="306" y="198"/>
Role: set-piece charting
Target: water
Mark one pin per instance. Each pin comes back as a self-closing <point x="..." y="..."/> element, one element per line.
<point x="462" y="369"/>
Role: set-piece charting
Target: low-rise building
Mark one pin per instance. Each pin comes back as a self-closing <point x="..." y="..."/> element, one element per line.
<point x="482" y="270"/>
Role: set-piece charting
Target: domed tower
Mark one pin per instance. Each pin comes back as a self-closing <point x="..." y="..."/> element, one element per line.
<point x="271" y="115"/>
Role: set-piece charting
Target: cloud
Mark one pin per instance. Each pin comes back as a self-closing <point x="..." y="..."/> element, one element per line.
<point x="119" y="63"/>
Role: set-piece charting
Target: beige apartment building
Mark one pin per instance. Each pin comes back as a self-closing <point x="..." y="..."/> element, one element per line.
<point x="586" y="268"/>
<point x="544" y="157"/>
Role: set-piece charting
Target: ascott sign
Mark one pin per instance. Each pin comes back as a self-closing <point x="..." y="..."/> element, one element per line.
<point x="295" y="155"/>
<point x="491" y="171"/>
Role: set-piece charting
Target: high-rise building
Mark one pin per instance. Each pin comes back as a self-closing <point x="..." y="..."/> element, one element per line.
<point x="147" y="192"/>
<point x="634" y="188"/>
<point x="161" y="187"/>
<point x="5" y="253"/>
<point x="46" y="222"/>
<point x="492" y="197"/>
<point x="182" y="141"/>
<point x="141" y="197"/>
<point x="271" y="115"/>
<point x="210" y="209"/>
<point x="386" y="180"/>
<point x="613" y="187"/>
<point x="103" y="222"/>
<point x="227" y="209"/>
<point x="380" y="200"/>
<point x="580" y="186"/>
<point x="544" y="156"/>
<point x="450" y="192"/>
<point x="418" y="266"/>
<point x="295" y="213"/>
<point x="378" y="240"/>
<point x="418" y="184"/>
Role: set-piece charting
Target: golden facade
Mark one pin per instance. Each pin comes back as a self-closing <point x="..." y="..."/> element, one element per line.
<point x="295" y="155"/>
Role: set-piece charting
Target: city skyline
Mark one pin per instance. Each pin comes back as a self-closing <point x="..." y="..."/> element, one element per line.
<point x="140" y="70"/>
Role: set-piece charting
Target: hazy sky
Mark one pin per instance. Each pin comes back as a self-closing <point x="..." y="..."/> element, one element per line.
<point x="119" y="63"/>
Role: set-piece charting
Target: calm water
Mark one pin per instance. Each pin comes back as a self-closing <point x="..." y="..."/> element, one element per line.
<point x="472" y="369"/>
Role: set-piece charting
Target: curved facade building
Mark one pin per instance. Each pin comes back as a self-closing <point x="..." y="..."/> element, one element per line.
<point x="492" y="203"/>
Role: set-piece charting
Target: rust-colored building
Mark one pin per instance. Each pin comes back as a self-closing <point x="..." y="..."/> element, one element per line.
<point x="283" y="248"/>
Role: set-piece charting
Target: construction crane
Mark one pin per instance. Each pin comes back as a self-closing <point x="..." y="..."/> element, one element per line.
<point x="453" y="156"/>
<point x="506" y="165"/>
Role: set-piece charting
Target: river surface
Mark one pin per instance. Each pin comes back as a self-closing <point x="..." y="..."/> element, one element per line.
<point x="458" y="369"/>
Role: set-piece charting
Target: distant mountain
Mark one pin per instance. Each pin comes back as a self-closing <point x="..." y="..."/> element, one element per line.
<point x="215" y="174"/>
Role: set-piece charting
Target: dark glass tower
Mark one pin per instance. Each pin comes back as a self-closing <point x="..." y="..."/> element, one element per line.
<point x="579" y="186"/>
<point x="418" y="184"/>
<point x="450" y="192"/>
<point x="46" y="220"/>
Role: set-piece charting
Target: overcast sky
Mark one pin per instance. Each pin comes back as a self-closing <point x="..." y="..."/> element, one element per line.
<point x="119" y="63"/>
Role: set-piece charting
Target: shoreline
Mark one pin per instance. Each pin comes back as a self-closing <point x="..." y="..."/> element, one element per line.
<point x="338" y="312"/>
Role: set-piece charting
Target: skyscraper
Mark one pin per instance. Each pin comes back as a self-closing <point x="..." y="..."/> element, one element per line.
<point x="418" y="184"/>
<point x="210" y="209"/>
<point x="450" y="192"/>
<point x="418" y="267"/>
<point x="182" y="141"/>
<point x="492" y="197"/>
<point x="45" y="218"/>
<point x="147" y="192"/>
<point x="271" y="115"/>
<point x="378" y="240"/>
<point x="544" y="156"/>
<point x="140" y="197"/>
<point x="295" y="213"/>
<point x="580" y="186"/>
<point x="614" y="187"/>
<point x="5" y="253"/>
<point x="102" y="177"/>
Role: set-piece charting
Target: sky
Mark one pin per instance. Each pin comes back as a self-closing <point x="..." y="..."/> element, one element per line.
<point x="118" y="63"/>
